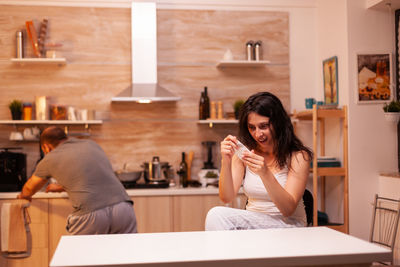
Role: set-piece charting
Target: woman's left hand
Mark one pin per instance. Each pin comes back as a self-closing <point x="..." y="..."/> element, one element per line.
<point x="256" y="163"/>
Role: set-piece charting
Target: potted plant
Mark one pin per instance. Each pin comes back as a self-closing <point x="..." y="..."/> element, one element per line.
<point x="237" y="106"/>
<point x="16" y="109"/>
<point x="392" y="111"/>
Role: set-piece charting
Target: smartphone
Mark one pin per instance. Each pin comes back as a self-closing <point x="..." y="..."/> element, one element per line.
<point x="241" y="148"/>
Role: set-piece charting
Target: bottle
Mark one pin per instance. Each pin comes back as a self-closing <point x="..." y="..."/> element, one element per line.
<point x="19" y="45"/>
<point x="206" y="104"/>
<point x="183" y="171"/>
<point x="201" y="107"/>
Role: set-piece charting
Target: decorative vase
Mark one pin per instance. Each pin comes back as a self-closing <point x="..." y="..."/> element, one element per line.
<point x="392" y="116"/>
<point x="16" y="115"/>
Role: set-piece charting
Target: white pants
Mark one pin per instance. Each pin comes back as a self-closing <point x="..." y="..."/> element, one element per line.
<point x="225" y="218"/>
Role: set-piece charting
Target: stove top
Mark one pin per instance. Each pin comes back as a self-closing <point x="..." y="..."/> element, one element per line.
<point x="135" y="185"/>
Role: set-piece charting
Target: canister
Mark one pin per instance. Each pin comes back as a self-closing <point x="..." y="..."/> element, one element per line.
<point x="249" y="50"/>
<point x="27" y="111"/>
<point x="257" y="48"/>
<point x="19" y="45"/>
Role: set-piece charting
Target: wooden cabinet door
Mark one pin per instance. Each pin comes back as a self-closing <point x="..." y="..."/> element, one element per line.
<point x="38" y="213"/>
<point x="190" y="211"/>
<point x="153" y="214"/>
<point x="59" y="209"/>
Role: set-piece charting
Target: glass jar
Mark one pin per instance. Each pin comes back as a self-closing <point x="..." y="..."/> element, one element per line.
<point x="27" y="111"/>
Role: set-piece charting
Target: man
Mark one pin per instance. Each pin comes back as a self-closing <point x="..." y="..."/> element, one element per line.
<point x="81" y="168"/>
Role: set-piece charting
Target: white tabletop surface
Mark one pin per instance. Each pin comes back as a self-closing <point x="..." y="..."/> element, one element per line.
<point x="278" y="247"/>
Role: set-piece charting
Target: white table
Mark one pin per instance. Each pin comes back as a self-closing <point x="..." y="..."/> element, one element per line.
<point x="277" y="247"/>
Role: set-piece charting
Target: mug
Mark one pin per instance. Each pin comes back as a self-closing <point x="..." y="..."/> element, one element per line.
<point x="310" y="102"/>
<point x="320" y="103"/>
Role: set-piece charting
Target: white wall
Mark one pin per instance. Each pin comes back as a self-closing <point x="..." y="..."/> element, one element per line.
<point x="372" y="140"/>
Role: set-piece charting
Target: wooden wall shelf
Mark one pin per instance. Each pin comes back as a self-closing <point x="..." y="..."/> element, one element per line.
<point x="57" y="61"/>
<point x="49" y="122"/>
<point x="243" y="63"/>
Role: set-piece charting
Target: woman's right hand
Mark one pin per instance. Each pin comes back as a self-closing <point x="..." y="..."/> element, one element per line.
<point x="228" y="146"/>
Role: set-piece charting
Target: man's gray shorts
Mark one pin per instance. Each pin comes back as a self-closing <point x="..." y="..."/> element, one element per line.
<point x="116" y="219"/>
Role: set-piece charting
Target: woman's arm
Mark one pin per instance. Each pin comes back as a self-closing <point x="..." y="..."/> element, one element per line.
<point x="285" y="198"/>
<point x="232" y="170"/>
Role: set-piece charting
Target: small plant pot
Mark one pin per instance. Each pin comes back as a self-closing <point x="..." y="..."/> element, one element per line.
<point x="392" y="116"/>
<point x="16" y="115"/>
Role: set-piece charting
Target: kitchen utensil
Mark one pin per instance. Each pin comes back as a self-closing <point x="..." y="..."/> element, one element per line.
<point x="126" y="175"/>
<point x="209" y="163"/>
<point x="189" y="164"/>
<point x="156" y="171"/>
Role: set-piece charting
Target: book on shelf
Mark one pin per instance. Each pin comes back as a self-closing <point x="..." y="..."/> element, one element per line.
<point x="30" y="29"/>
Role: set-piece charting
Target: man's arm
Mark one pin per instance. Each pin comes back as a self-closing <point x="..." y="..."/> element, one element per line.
<point x="33" y="185"/>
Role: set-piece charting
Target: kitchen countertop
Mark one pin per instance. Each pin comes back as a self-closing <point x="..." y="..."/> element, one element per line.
<point x="171" y="191"/>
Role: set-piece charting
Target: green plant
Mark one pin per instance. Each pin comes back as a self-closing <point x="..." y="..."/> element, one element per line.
<point x="15" y="106"/>
<point x="393" y="106"/>
<point x="236" y="107"/>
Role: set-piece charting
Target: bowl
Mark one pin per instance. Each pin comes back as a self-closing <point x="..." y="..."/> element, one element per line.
<point x="128" y="176"/>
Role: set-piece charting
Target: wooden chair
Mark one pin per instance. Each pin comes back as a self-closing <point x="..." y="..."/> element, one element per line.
<point x="385" y="221"/>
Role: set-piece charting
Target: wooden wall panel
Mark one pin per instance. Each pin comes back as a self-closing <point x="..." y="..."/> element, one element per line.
<point x="96" y="44"/>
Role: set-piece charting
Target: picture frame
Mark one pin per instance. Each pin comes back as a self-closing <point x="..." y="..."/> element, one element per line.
<point x="330" y="74"/>
<point x="374" y="73"/>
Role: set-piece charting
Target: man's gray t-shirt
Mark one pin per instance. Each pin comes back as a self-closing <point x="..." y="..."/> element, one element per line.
<point x="83" y="169"/>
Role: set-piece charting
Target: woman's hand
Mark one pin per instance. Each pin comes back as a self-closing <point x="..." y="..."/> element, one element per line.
<point x="228" y="146"/>
<point x="256" y="163"/>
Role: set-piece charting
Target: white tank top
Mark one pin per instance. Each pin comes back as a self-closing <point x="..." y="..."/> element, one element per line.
<point x="259" y="200"/>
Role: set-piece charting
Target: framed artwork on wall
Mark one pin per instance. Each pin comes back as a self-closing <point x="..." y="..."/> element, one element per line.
<point x="330" y="72"/>
<point x="374" y="78"/>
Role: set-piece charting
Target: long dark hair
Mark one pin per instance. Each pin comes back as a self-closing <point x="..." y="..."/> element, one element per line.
<point x="285" y="141"/>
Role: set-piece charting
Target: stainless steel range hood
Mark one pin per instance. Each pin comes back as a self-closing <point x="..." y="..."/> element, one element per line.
<point x="144" y="88"/>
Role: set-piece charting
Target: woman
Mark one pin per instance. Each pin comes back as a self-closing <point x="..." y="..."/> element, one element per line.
<point x="274" y="172"/>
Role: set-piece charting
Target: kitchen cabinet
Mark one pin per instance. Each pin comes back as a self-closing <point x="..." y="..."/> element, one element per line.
<point x="38" y="213"/>
<point x="153" y="213"/>
<point x="59" y="209"/>
<point x="320" y="115"/>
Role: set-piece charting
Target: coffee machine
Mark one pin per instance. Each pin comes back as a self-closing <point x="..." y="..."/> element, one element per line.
<point x="12" y="169"/>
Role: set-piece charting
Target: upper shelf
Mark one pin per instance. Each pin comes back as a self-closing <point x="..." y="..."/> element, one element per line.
<point x="243" y="63"/>
<point x="211" y="122"/>
<point x="63" y="122"/>
<point x="321" y="113"/>
<point x="58" y="61"/>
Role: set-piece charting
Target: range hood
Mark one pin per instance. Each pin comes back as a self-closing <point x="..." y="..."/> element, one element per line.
<point x="144" y="88"/>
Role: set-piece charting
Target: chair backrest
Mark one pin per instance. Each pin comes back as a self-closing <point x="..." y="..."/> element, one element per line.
<point x="385" y="221"/>
<point x="308" y="205"/>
